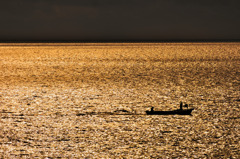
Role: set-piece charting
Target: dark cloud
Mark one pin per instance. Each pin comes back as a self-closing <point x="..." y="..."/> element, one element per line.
<point x="121" y="20"/>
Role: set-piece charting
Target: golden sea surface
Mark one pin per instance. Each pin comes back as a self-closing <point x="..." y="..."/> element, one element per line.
<point x="60" y="100"/>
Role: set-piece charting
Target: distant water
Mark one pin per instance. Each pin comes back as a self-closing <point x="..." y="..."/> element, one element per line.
<point x="46" y="89"/>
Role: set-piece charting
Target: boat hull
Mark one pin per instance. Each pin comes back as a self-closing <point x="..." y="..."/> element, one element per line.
<point x="174" y="112"/>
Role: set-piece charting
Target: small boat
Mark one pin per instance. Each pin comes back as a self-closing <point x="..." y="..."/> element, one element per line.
<point x="173" y="112"/>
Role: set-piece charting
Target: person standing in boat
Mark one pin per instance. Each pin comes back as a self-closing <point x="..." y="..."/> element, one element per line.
<point x="181" y="105"/>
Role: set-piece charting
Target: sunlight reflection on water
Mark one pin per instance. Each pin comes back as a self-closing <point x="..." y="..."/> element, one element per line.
<point x="40" y="104"/>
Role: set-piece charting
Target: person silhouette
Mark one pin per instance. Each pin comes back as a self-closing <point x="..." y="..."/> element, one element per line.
<point x="152" y="109"/>
<point x="181" y="105"/>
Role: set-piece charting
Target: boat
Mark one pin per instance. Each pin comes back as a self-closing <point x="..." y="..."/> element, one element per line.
<point x="173" y="112"/>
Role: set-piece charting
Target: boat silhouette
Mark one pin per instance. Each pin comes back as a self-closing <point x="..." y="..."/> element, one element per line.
<point x="173" y="112"/>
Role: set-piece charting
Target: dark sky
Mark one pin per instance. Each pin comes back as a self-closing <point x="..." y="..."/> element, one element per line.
<point x="119" y="19"/>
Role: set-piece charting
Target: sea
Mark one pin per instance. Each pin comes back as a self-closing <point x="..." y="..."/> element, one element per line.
<point x="89" y="100"/>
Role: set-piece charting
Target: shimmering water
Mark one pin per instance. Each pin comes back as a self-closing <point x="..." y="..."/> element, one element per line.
<point x="45" y="89"/>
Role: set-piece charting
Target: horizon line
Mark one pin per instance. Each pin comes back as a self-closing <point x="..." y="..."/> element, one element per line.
<point x="120" y="41"/>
